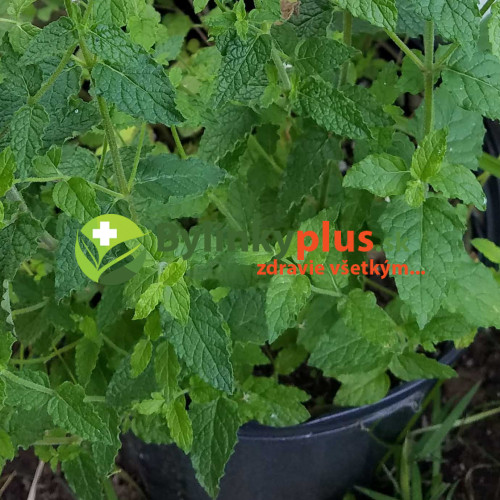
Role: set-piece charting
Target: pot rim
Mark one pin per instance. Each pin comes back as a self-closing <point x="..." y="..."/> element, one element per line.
<point x="337" y="420"/>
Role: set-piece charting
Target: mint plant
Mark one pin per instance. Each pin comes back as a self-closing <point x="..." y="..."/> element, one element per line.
<point x="241" y="118"/>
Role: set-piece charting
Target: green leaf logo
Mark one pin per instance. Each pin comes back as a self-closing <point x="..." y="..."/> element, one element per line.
<point x="101" y="245"/>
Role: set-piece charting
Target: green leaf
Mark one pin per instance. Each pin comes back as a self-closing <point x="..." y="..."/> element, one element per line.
<point x="69" y="411"/>
<point x="313" y="18"/>
<point x="270" y="403"/>
<point x="16" y="7"/>
<point x="177" y="301"/>
<point x="362" y="389"/>
<point x="163" y="176"/>
<point x="31" y="396"/>
<point x="215" y="425"/>
<point x="6" y="342"/>
<point x="27" y="129"/>
<point x="86" y="356"/>
<point x="52" y="41"/>
<point x="203" y="343"/>
<point x="494" y="29"/>
<point x="474" y="82"/>
<point x="429" y="155"/>
<point x="286" y="296"/>
<point x="199" y="5"/>
<point x="341" y="351"/>
<point x="456" y="181"/>
<point x="149" y="300"/>
<point x="412" y="366"/>
<point x="7" y="451"/>
<point x="141" y="356"/>
<point x="82" y="476"/>
<point x="383" y="175"/>
<point x="77" y="198"/>
<point x="330" y="108"/>
<point x="242" y="76"/>
<point x="136" y="286"/>
<point x="231" y="125"/>
<point x="143" y="90"/>
<point x="18" y="242"/>
<point x="415" y="193"/>
<point x="167" y="370"/>
<point x="321" y="56"/>
<point x="427" y="238"/>
<point x="174" y="272"/>
<point x="68" y="276"/>
<point x="242" y="309"/>
<point x="475" y="294"/>
<point x="488" y="249"/>
<point x="7" y="169"/>
<point x="381" y="13"/>
<point x="310" y="156"/>
<point x="143" y="26"/>
<point x="112" y="12"/>
<point x="180" y="424"/>
<point x="361" y="313"/>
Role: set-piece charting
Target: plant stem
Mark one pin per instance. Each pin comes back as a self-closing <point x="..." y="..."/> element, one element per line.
<point x="45" y="359"/>
<point x="98" y="187"/>
<point x="486" y="7"/>
<point x="395" y="38"/>
<point x="11" y="21"/>
<point x="347" y="25"/>
<point x="57" y="441"/>
<point x="379" y="287"/>
<point x="88" y="11"/>
<point x="60" y="68"/>
<point x="27" y="383"/>
<point x="27" y="310"/>
<point x="451" y="50"/>
<point x="137" y="158"/>
<point x="113" y="346"/>
<point x="110" y="134"/>
<point x="100" y="169"/>
<point x="285" y="80"/>
<point x="429" y="76"/>
<point x="178" y="143"/>
<point x="220" y="5"/>
<point x="221" y="206"/>
<point x="321" y="291"/>
<point x="265" y="154"/>
<point x="109" y="491"/>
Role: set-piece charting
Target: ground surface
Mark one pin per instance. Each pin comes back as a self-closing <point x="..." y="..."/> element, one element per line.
<point x="471" y="454"/>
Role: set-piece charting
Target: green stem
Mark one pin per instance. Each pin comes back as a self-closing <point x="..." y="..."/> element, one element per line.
<point x="27" y="310"/>
<point x="11" y="21"/>
<point x="109" y="491"/>
<point x="110" y="134"/>
<point x="60" y="68"/>
<point x="88" y="11"/>
<point x="45" y="359"/>
<point x="429" y="76"/>
<point x="395" y="38"/>
<point x="178" y="143"/>
<point x="221" y="206"/>
<point x="137" y="158"/>
<point x="265" y="155"/>
<point x="379" y="287"/>
<point x="98" y="187"/>
<point x="321" y="291"/>
<point x="100" y="169"/>
<point x="486" y="7"/>
<point x="444" y="58"/>
<point x="347" y="37"/>
<point x="57" y="441"/>
<point x="220" y="5"/>
<point x="113" y="346"/>
<point x="285" y="80"/>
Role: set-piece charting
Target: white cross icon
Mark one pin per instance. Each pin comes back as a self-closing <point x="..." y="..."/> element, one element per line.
<point x="104" y="234"/>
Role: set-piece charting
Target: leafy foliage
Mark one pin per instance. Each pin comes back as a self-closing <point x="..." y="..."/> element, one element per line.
<point x="249" y="121"/>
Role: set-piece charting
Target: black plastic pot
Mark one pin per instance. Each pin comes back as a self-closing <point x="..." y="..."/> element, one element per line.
<point x="320" y="459"/>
